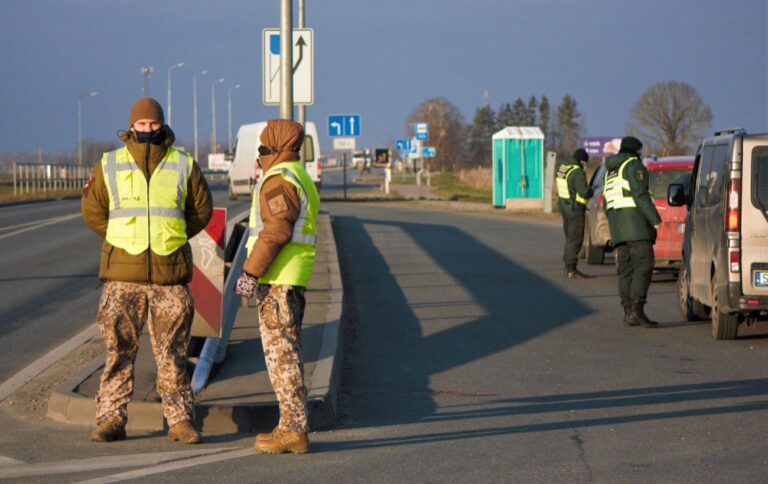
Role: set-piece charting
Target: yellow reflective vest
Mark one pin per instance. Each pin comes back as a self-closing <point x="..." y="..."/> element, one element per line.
<point x="146" y="215"/>
<point x="294" y="263"/>
<point x="617" y="192"/>
<point x="562" y="183"/>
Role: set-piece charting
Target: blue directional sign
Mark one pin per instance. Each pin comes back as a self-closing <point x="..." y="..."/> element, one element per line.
<point x="344" y="125"/>
<point x="429" y="152"/>
<point x="422" y="131"/>
<point x="403" y="144"/>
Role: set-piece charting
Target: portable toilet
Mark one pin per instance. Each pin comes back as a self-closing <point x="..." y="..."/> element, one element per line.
<point x="518" y="168"/>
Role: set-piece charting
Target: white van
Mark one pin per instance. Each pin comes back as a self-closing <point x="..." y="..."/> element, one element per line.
<point x="245" y="173"/>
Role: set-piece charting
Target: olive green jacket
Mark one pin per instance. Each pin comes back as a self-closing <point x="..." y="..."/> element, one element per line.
<point x="636" y="223"/>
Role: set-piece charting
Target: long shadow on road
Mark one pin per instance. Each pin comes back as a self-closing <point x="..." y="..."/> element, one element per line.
<point x="426" y="298"/>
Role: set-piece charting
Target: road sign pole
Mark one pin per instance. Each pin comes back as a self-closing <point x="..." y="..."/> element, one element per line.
<point x="344" y="161"/>
<point x="301" y="109"/>
<point x="286" y="60"/>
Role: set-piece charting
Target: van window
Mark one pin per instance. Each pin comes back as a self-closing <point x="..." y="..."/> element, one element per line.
<point x="705" y="166"/>
<point x="717" y="173"/>
<point x="760" y="175"/>
<point x="308" y="149"/>
<point x="659" y="180"/>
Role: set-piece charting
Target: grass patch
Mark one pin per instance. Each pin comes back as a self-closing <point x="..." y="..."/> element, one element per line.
<point x="448" y="185"/>
<point x="6" y="194"/>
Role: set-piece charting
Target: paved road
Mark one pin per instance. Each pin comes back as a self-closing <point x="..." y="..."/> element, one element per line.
<point x="470" y="358"/>
<point x="49" y="285"/>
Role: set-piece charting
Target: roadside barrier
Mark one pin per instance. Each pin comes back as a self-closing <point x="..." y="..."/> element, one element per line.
<point x="45" y="177"/>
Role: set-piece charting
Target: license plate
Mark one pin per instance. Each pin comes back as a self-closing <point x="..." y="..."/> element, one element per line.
<point x="761" y="278"/>
<point x="680" y="228"/>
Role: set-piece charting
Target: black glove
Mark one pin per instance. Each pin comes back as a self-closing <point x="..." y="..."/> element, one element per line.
<point x="246" y="285"/>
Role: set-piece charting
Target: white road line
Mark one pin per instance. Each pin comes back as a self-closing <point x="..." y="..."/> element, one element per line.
<point x="21" y="378"/>
<point x="101" y="463"/>
<point x="42" y="223"/>
<point x="172" y="466"/>
<point x="7" y="461"/>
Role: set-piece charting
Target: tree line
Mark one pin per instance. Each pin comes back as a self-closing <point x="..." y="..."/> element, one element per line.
<point x="670" y="118"/>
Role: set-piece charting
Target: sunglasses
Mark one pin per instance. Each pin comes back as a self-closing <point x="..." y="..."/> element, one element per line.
<point x="264" y="151"/>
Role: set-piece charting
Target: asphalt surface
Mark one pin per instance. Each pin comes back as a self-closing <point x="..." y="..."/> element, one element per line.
<point x="49" y="286"/>
<point x="470" y="358"/>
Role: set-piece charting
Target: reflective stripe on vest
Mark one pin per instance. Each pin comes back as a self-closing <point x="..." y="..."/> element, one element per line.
<point x="146" y="215"/>
<point x="616" y="186"/>
<point x="294" y="263"/>
<point x="562" y="184"/>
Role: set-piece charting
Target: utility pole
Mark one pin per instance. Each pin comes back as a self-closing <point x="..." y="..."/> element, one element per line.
<point x="146" y="71"/>
<point x="214" y="148"/>
<point x="286" y="59"/>
<point x="175" y="66"/>
<point x="80" y="125"/>
<point x="194" y="105"/>
<point x="229" y="117"/>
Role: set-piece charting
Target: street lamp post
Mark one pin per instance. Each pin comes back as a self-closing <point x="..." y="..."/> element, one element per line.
<point x="229" y="116"/>
<point x="194" y="105"/>
<point x="175" y="66"/>
<point x="80" y="125"/>
<point x="146" y="71"/>
<point x="213" y="113"/>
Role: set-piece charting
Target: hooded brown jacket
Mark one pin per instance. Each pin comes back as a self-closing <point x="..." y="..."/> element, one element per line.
<point x="147" y="267"/>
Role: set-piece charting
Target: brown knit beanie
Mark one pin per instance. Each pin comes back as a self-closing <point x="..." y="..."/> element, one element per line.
<point x="146" y="108"/>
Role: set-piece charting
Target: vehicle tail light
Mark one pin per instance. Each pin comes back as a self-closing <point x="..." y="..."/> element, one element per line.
<point x="735" y="258"/>
<point x="733" y="213"/>
<point x="600" y="200"/>
<point x="753" y="301"/>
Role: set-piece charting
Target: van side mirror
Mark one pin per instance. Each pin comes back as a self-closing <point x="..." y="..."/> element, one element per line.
<point x="676" y="195"/>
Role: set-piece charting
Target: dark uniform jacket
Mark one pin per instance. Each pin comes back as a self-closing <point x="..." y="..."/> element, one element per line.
<point x="577" y="183"/>
<point x="119" y="265"/>
<point x="632" y="224"/>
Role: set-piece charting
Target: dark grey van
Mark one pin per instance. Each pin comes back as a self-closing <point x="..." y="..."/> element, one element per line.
<point x="724" y="274"/>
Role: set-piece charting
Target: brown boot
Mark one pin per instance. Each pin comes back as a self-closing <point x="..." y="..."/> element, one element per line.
<point x="108" y="432"/>
<point x="265" y="437"/>
<point x="281" y="441"/>
<point x="184" y="433"/>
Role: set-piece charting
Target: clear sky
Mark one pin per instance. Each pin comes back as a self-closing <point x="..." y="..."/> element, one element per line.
<point x="377" y="58"/>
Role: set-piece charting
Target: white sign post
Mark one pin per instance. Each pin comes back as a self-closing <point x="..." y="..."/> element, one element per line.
<point x="303" y="66"/>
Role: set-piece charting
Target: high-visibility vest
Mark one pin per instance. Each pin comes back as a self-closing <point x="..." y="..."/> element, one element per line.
<point x="294" y="263"/>
<point x="146" y="215"/>
<point x="562" y="183"/>
<point x="617" y="192"/>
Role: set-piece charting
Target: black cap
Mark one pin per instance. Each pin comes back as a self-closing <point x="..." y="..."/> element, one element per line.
<point x="580" y="155"/>
<point x="630" y="144"/>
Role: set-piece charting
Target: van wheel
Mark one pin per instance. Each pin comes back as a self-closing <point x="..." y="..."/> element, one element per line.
<point x="595" y="254"/>
<point x="724" y="325"/>
<point x="232" y="195"/>
<point x="691" y="309"/>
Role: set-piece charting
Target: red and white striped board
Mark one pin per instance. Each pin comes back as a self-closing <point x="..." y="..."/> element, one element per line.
<point x="208" y="275"/>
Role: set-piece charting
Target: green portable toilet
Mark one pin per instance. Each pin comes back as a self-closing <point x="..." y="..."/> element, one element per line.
<point x="518" y="168"/>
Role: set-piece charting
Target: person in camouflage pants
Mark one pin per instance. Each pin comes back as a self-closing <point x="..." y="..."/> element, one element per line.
<point x="123" y="310"/>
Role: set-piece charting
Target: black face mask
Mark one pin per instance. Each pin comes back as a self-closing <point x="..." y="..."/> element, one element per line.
<point x="154" y="137"/>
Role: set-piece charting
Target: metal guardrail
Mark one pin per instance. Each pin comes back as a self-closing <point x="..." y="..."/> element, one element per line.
<point x="46" y="177"/>
<point x="215" y="349"/>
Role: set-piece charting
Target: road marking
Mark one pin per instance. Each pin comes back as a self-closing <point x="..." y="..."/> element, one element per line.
<point x="172" y="466"/>
<point x="104" y="462"/>
<point x="7" y="461"/>
<point x="37" y="225"/>
<point x="21" y="378"/>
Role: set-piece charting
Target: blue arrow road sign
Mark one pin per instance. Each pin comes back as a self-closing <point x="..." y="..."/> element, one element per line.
<point x="344" y="125"/>
<point x="429" y="152"/>
<point x="403" y="144"/>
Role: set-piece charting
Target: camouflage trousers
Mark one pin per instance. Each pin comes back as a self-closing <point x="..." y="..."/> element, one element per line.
<point x="123" y="310"/>
<point x="281" y="311"/>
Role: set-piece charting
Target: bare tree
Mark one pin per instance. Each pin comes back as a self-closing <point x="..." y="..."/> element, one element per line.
<point x="670" y="116"/>
<point x="568" y="125"/>
<point x="447" y="131"/>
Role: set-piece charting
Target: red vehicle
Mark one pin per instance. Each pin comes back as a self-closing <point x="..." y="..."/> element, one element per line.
<point x="668" y="249"/>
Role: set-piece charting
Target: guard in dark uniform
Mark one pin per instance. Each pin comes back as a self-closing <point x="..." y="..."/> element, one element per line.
<point x="633" y="220"/>
<point x="573" y="193"/>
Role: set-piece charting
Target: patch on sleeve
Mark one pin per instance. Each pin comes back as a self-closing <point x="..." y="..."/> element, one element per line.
<point x="640" y="174"/>
<point x="276" y="202"/>
<point x="88" y="184"/>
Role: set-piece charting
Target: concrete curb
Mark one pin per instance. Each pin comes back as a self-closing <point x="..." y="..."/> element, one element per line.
<point x="66" y="404"/>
